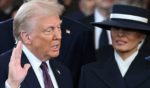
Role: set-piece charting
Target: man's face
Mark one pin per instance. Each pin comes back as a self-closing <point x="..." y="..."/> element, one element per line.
<point x="104" y="4"/>
<point x="46" y="37"/>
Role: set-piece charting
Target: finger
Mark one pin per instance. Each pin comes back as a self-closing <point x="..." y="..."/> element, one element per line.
<point x="18" y="52"/>
<point x="12" y="59"/>
<point x="26" y="67"/>
<point x="19" y="45"/>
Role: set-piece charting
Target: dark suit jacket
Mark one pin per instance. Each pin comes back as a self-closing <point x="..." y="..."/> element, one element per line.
<point x="106" y="74"/>
<point x="77" y="48"/>
<point x="6" y="35"/>
<point x="63" y="78"/>
<point x="4" y="16"/>
<point x="76" y="15"/>
<point x="87" y="21"/>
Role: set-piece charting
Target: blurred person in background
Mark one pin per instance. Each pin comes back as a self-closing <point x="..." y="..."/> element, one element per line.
<point x="147" y="4"/>
<point x="70" y="5"/>
<point x="86" y="8"/>
<point x="33" y="0"/>
<point x="6" y="7"/>
<point x="140" y="3"/>
<point x="101" y="38"/>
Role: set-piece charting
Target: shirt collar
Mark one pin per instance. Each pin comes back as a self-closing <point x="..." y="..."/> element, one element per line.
<point x="128" y="60"/>
<point x="34" y="61"/>
<point x="124" y="64"/>
<point x="98" y="16"/>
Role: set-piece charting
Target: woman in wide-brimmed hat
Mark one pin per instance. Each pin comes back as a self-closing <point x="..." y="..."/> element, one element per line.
<point x="127" y="63"/>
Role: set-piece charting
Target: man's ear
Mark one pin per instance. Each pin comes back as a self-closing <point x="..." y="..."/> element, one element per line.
<point x="25" y="38"/>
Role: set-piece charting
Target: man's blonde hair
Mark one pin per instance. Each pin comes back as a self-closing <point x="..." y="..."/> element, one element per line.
<point x="22" y="20"/>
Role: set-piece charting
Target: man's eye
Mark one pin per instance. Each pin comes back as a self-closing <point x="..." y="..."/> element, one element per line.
<point x="52" y="29"/>
<point x="48" y="31"/>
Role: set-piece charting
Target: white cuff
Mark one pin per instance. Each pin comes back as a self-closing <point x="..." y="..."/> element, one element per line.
<point x="7" y="85"/>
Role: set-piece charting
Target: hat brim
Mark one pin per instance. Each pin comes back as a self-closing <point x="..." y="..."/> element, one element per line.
<point x="135" y="26"/>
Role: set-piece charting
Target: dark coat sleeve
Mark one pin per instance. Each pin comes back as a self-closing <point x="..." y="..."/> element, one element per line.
<point x="90" y="79"/>
<point x="4" y="61"/>
<point x="6" y="36"/>
<point x="82" y="79"/>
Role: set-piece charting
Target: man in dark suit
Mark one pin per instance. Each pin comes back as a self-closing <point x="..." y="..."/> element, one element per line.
<point x="86" y="8"/>
<point x="101" y="38"/>
<point x="36" y="29"/>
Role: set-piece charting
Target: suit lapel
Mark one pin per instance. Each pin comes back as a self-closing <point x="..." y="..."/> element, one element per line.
<point x="92" y="19"/>
<point x="88" y="20"/>
<point x="110" y="74"/>
<point x="57" y="73"/>
<point x="30" y="80"/>
<point x="138" y="72"/>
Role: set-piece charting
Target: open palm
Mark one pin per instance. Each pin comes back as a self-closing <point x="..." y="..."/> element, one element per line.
<point x="17" y="73"/>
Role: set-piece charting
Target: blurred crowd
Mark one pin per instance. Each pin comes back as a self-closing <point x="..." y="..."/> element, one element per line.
<point x="75" y="9"/>
<point x="8" y="8"/>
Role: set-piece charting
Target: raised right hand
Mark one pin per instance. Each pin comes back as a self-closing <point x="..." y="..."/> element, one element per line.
<point x="17" y="73"/>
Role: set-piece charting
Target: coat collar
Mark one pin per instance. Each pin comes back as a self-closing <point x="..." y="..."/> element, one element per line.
<point x="57" y="72"/>
<point x="30" y="80"/>
<point x="139" y="71"/>
<point x="110" y="74"/>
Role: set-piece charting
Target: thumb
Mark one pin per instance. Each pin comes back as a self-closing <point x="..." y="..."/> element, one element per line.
<point x="26" y="67"/>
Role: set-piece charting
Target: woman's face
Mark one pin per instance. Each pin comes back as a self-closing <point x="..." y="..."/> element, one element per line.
<point x="124" y="40"/>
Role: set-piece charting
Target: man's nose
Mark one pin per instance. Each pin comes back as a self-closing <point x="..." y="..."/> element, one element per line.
<point x="57" y="34"/>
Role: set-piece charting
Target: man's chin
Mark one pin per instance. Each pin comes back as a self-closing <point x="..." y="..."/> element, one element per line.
<point x="55" y="55"/>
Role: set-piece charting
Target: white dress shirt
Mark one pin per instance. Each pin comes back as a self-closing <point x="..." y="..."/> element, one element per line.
<point x="35" y="63"/>
<point x="99" y="18"/>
